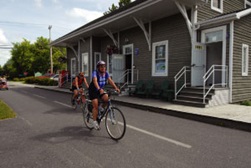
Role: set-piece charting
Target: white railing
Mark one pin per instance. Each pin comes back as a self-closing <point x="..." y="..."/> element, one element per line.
<point x="126" y="75"/>
<point x="182" y="72"/>
<point x="210" y="74"/>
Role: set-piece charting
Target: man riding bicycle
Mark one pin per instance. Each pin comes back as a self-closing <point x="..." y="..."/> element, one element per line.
<point x="96" y="91"/>
<point x="77" y="85"/>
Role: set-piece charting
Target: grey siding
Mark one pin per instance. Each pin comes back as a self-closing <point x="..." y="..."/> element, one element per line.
<point x="205" y="12"/>
<point x="70" y="55"/>
<point x="174" y="30"/>
<point x="241" y="84"/>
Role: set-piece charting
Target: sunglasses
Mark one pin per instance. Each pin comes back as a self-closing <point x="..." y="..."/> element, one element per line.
<point x="102" y="66"/>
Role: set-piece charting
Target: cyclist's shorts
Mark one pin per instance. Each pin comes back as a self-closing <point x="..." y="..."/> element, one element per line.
<point x="94" y="94"/>
<point x="75" y="88"/>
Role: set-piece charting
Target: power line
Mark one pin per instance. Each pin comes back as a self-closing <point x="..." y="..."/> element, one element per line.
<point x="12" y="23"/>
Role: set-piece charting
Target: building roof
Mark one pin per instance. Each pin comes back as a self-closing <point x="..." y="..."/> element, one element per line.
<point x="121" y="19"/>
<point x="225" y="18"/>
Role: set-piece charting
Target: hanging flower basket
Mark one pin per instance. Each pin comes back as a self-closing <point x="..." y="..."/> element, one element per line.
<point x="111" y="49"/>
<point x="62" y="59"/>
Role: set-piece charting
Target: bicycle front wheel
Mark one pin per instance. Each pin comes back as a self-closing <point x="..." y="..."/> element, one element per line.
<point x="115" y="123"/>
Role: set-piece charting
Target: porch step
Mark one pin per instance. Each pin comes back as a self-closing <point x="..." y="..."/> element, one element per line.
<point x="193" y="96"/>
<point x="190" y="103"/>
<point x="193" y="99"/>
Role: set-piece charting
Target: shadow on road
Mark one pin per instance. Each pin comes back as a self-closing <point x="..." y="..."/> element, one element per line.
<point x="75" y="133"/>
<point x="63" y="110"/>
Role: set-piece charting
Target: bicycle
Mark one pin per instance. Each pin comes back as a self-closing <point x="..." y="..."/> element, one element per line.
<point x="115" y="122"/>
<point x="79" y="100"/>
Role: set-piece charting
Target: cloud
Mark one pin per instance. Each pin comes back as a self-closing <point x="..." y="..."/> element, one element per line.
<point x="3" y="39"/>
<point x="83" y="13"/>
<point x="38" y="3"/>
<point x="4" y="56"/>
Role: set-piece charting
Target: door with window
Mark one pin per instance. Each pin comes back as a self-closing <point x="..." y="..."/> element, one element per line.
<point x="128" y="53"/>
<point x="85" y="64"/>
<point x="73" y="67"/>
<point x="118" y="68"/>
<point x="97" y="57"/>
<point x="198" y="66"/>
<point x="215" y="41"/>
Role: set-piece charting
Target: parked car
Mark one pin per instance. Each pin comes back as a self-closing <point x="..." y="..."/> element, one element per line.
<point x="55" y="77"/>
<point x="3" y="84"/>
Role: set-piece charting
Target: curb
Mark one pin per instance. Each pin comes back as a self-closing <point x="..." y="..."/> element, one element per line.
<point x="238" y="125"/>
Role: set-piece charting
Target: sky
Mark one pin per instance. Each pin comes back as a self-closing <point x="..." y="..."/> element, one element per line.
<point x="30" y="19"/>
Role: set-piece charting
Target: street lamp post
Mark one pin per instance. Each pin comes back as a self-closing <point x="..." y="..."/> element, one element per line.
<point x="50" y="26"/>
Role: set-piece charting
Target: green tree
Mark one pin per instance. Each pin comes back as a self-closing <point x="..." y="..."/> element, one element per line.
<point x="31" y="58"/>
<point x="114" y="7"/>
<point x="1" y="70"/>
<point x="59" y="58"/>
<point x="22" y="57"/>
<point x="9" y="70"/>
<point x="41" y="55"/>
<point x="124" y="3"/>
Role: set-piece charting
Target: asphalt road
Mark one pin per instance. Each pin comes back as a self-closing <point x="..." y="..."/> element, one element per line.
<point x="48" y="133"/>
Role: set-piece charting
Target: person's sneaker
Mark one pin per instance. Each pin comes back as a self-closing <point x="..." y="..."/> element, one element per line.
<point x="95" y="125"/>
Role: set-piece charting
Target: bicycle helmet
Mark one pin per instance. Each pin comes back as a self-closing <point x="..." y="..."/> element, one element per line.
<point x="100" y="63"/>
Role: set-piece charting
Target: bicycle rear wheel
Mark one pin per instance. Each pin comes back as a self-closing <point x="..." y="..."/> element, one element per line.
<point x="115" y="123"/>
<point x="87" y="117"/>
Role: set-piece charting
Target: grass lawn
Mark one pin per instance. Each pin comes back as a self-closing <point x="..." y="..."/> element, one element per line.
<point x="6" y="111"/>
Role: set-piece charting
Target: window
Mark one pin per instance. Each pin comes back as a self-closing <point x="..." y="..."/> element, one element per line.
<point x="109" y="64"/>
<point x="85" y="65"/>
<point x="247" y="3"/>
<point x="245" y="55"/>
<point x="217" y="5"/>
<point x="73" y="67"/>
<point x="160" y="59"/>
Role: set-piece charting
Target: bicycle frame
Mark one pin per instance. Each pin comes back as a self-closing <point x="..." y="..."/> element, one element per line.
<point x="109" y="105"/>
<point x="115" y="124"/>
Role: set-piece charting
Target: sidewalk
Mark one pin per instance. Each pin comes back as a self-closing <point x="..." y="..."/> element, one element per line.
<point x="230" y="115"/>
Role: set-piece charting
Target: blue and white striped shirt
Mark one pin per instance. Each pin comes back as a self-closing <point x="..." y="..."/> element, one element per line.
<point x="101" y="78"/>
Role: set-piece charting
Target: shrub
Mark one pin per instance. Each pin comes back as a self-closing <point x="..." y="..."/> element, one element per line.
<point x="246" y="103"/>
<point x="41" y="81"/>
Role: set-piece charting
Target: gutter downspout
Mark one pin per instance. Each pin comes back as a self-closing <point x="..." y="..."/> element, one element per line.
<point x="231" y="52"/>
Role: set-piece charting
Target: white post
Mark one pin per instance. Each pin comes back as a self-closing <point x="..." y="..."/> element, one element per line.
<point x="50" y="26"/>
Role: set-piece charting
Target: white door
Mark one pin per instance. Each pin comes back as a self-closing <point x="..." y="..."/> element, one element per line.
<point x="198" y="66"/>
<point x="97" y="57"/>
<point x="85" y="63"/>
<point x="118" y="68"/>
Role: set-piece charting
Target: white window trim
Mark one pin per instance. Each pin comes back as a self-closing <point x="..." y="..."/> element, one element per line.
<point x="83" y="55"/>
<point x="153" y="58"/>
<point x="217" y="9"/>
<point x="245" y="72"/>
<point x="73" y="74"/>
<point x="247" y="3"/>
<point x="97" y="57"/>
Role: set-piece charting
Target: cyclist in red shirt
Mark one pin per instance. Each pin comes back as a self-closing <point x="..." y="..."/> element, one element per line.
<point x="77" y="85"/>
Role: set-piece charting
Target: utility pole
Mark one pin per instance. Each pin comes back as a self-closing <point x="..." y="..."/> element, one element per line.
<point x="50" y="26"/>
